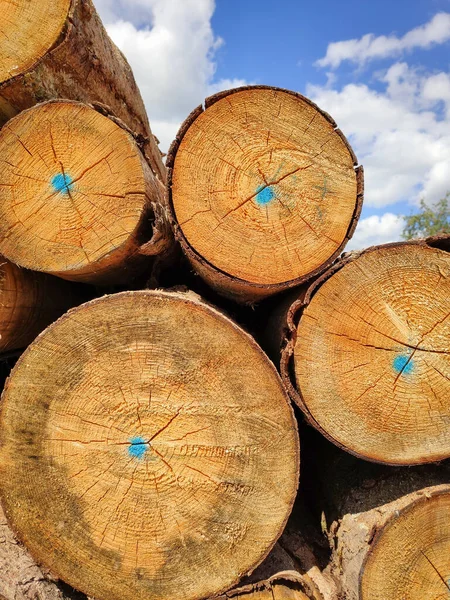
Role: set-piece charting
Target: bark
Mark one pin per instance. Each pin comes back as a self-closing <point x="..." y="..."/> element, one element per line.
<point x="289" y="334"/>
<point x="193" y="192"/>
<point x="83" y="65"/>
<point x="355" y="539"/>
<point x="91" y="208"/>
<point x="158" y="457"/>
<point x="286" y="585"/>
<point x="20" y="576"/>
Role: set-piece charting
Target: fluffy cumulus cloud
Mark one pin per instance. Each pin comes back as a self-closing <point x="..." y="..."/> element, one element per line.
<point x="401" y="134"/>
<point x="369" y="47"/>
<point x="171" y="47"/>
<point x="397" y="119"/>
<point x="399" y="125"/>
<point x="377" y="230"/>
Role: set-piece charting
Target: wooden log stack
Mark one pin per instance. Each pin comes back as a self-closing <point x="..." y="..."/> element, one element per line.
<point x="148" y="446"/>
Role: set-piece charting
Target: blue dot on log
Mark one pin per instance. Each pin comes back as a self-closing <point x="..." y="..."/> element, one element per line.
<point x="264" y="194"/>
<point x="403" y="364"/>
<point x="137" y="447"/>
<point x="62" y="183"/>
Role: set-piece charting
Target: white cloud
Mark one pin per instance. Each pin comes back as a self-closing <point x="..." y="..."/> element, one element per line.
<point x="171" y="47"/>
<point x="399" y="134"/>
<point x="369" y="47"/>
<point x="376" y="230"/>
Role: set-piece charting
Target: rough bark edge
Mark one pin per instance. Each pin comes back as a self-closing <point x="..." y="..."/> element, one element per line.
<point x="396" y="510"/>
<point x="294" y="313"/>
<point x="304" y="583"/>
<point x="27" y="580"/>
<point x="353" y="537"/>
<point x="188" y="298"/>
<point x="237" y="289"/>
<point x="155" y="217"/>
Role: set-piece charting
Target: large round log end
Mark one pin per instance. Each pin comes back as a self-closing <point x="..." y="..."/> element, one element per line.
<point x="263" y="190"/>
<point x="148" y="449"/>
<point x="370" y="354"/>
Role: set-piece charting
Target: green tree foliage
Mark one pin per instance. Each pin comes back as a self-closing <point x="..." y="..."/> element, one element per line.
<point x="429" y="220"/>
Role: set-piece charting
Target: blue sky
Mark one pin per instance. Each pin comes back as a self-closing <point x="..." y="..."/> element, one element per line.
<point x="380" y="68"/>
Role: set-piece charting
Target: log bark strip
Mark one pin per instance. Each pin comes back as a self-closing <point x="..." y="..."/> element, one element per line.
<point x="263" y="189"/>
<point x="60" y="49"/>
<point x="158" y="456"/>
<point x="28" y="303"/>
<point x="366" y="353"/>
<point x="78" y="198"/>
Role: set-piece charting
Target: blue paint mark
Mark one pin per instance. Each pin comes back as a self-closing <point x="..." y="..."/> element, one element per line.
<point x="264" y="194"/>
<point x="403" y="364"/>
<point x="137" y="447"/>
<point x="62" y="183"/>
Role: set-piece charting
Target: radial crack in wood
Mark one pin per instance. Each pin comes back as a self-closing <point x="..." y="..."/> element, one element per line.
<point x="148" y="449"/>
<point x="370" y="357"/>
<point x="77" y="196"/>
<point x="263" y="191"/>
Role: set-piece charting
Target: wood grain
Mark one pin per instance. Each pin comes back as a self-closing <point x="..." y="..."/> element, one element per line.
<point x="371" y="354"/>
<point x="263" y="190"/>
<point x="149" y="449"/>
<point x="77" y="196"/>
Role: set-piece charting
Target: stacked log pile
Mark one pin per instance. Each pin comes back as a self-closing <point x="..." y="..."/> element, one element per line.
<point x="148" y="446"/>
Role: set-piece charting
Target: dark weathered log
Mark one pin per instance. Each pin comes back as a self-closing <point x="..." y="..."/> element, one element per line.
<point x="263" y="191"/>
<point x="366" y="354"/>
<point x="29" y="302"/>
<point x="60" y="49"/>
<point x="148" y="449"/>
<point x="78" y="198"/>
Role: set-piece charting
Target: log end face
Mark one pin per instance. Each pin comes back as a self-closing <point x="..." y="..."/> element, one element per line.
<point x="409" y="557"/>
<point x="264" y="188"/>
<point x="85" y="190"/>
<point x="29" y="30"/>
<point x="381" y="353"/>
<point x="145" y="447"/>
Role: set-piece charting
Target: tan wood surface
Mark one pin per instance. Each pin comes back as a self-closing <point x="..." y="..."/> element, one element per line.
<point x="263" y="187"/>
<point x="76" y="195"/>
<point x="410" y="559"/>
<point x="372" y="358"/>
<point x="149" y="449"/>
<point x="28" y="303"/>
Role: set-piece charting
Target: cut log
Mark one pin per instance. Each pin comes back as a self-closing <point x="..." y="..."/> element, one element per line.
<point x="367" y="356"/>
<point x="77" y="196"/>
<point x="396" y="551"/>
<point x="263" y="191"/>
<point x="287" y="585"/>
<point x="60" y="49"/>
<point x="148" y="449"/>
<point x="29" y="302"/>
